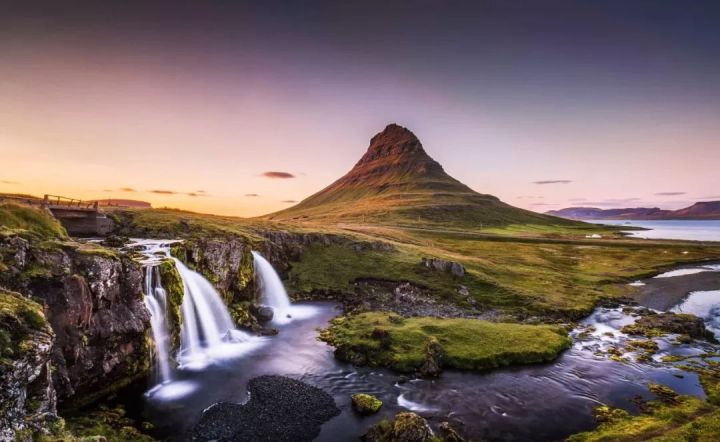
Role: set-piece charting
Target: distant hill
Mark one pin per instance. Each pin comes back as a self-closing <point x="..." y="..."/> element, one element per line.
<point x="124" y="203"/>
<point x="397" y="182"/>
<point x="699" y="210"/>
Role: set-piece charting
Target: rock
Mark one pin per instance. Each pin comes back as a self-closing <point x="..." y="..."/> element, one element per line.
<point x="449" y="433"/>
<point x="654" y="324"/>
<point x="440" y="265"/>
<point x="280" y="409"/>
<point x="406" y="427"/>
<point x="434" y="355"/>
<point x="115" y="241"/>
<point x="262" y="313"/>
<point x="27" y="396"/>
<point x="366" y="403"/>
<point x="93" y="301"/>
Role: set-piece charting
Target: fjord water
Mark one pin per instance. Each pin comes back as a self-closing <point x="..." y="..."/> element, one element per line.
<point x="697" y="230"/>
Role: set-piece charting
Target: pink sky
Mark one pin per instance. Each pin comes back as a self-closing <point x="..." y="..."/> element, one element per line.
<point x="85" y="119"/>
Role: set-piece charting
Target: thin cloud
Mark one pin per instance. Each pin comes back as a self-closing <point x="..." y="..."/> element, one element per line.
<point x="288" y="201"/>
<point x="164" y="192"/>
<point x="543" y="204"/>
<point x="192" y="194"/>
<point x="252" y="195"/>
<point x="552" y="182"/>
<point x="577" y="199"/>
<point x="8" y="182"/>
<point x="530" y="197"/>
<point x="278" y="175"/>
<point x="670" y="193"/>
<point x="127" y="189"/>
<point x="711" y="197"/>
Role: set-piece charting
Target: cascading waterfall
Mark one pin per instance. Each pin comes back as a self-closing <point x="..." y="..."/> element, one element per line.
<point x="156" y="302"/>
<point x="207" y="324"/>
<point x="274" y="295"/>
<point x="207" y="331"/>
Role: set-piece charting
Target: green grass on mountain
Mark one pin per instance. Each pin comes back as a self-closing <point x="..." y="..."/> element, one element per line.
<point x="28" y="220"/>
<point x="382" y="339"/>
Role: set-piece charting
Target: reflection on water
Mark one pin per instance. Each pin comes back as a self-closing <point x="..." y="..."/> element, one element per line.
<point x="541" y="402"/>
<point x="698" y="230"/>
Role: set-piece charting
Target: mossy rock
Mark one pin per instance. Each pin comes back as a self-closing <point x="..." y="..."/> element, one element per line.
<point x="20" y="319"/>
<point x="405" y="427"/>
<point x="173" y="285"/>
<point x="366" y="404"/>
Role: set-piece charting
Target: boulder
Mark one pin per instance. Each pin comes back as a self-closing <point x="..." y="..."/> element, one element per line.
<point x="406" y="427"/>
<point x="440" y="265"/>
<point x="366" y="403"/>
<point x="434" y="355"/>
<point x="262" y="313"/>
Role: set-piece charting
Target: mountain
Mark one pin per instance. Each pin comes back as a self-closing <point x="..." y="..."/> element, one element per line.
<point x="397" y="182"/>
<point x="699" y="210"/>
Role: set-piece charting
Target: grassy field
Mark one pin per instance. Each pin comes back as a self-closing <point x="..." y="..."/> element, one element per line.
<point x="382" y="339"/>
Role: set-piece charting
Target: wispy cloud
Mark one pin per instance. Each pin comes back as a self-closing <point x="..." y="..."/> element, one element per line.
<point x="164" y="192"/>
<point x="710" y="197"/>
<point x="173" y="192"/>
<point x="8" y="182"/>
<point x="288" y="201"/>
<point x="280" y="175"/>
<point x="252" y="194"/>
<point x="577" y="199"/>
<point x="127" y="189"/>
<point x="670" y="193"/>
<point x="530" y="197"/>
<point x="552" y="182"/>
<point x="543" y="204"/>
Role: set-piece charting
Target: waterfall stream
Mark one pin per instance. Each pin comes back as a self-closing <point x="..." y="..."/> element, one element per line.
<point x="274" y="295"/>
<point x="208" y="333"/>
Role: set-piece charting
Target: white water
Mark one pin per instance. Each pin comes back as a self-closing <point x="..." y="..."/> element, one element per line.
<point x="208" y="333"/>
<point x="274" y="295"/>
<point x="156" y="302"/>
<point x="207" y="327"/>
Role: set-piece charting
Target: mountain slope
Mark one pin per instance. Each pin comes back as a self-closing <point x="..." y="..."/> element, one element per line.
<point x="699" y="210"/>
<point x="396" y="181"/>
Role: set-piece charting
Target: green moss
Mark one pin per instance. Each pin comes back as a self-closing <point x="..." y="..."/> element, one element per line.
<point x="366" y="403"/>
<point x="110" y="425"/>
<point x="373" y="338"/>
<point x="21" y="219"/>
<point x="172" y="282"/>
<point x="20" y="317"/>
<point x="671" y="418"/>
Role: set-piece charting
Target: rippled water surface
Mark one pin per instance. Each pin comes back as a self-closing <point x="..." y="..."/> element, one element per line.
<point x="699" y="230"/>
<point x="542" y="402"/>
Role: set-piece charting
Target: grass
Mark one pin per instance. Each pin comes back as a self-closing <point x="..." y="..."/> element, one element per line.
<point x="382" y="339"/>
<point x="27" y="220"/>
<point x="20" y="317"/>
<point x="689" y="419"/>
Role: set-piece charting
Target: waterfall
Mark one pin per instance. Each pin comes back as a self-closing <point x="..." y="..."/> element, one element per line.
<point x="274" y="295"/>
<point x="156" y="303"/>
<point x="207" y="332"/>
<point x="206" y="321"/>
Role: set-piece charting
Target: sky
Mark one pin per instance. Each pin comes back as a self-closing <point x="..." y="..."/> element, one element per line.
<point x="242" y="108"/>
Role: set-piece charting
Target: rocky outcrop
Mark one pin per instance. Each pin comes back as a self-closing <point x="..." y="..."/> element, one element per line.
<point x="92" y="298"/>
<point x="655" y="324"/>
<point x="280" y="409"/>
<point x="406" y="427"/>
<point x="27" y="396"/>
<point x="440" y="265"/>
<point x="225" y="261"/>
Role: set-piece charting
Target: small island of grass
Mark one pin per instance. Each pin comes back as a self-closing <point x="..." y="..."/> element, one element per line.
<point x="427" y="344"/>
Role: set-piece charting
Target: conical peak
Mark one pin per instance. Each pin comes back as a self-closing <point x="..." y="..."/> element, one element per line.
<point x="393" y="141"/>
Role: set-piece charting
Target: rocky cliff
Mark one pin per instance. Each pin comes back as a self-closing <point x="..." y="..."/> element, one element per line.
<point x="92" y="299"/>
<point x="27" y="396"/>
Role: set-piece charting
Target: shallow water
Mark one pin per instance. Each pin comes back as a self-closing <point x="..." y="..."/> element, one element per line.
<point x="542" y="402"/>
<point x="698" y="230"/>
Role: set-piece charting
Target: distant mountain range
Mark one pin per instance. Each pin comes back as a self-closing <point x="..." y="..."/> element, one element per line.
<point x="397" y="182"/>
<point x="699" y="210"/>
